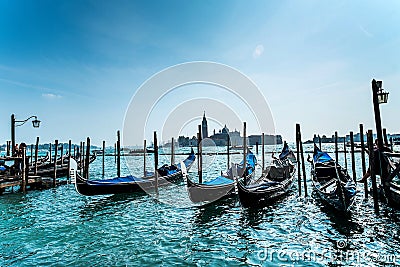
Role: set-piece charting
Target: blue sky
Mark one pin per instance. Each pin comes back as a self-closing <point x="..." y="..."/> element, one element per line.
<point x="77" y="64"/>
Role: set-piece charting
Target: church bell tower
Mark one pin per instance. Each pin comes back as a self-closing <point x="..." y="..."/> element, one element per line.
<point x="204" y="127"/>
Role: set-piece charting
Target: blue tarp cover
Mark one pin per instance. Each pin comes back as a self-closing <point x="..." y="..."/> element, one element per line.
<point x="220" y="180"/>
<point x="285" y="152"/>
<point x="129" y="179"/>
<point x="320" y="156"/>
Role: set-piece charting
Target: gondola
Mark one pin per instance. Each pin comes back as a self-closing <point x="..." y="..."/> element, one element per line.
<point x="275" y="182"/>
<point x="129" y="184"/>
<point x="392" y="191"/>
<point x="223" y="185"/>
<point x="331" y="182"/>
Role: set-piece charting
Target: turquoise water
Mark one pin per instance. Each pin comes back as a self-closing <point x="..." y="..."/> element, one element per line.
<point x="59" y="227"/>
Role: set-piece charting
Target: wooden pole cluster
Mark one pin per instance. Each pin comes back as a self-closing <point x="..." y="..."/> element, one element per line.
<point x="200" y="152"/>
<point x="372" y="170"/>
<point x="303" y="167"/>
<point x="156" y="162"/>
<point x="118" y="154"/>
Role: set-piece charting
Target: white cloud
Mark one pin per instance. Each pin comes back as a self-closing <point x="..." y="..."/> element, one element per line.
<point x="258" y="51"/>
<point x="367" y="33"/>
<point x="51" y="96"/>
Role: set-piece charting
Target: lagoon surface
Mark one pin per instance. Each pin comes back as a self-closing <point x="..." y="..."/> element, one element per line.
<point x="60" y="227"/>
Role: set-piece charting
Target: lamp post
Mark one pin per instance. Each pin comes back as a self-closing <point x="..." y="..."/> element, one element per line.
<point x="15" y="123"/>
<point x="379" y="96"/>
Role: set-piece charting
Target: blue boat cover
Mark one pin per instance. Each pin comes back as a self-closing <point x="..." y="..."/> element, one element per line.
<point x="320" y="156"/>
<point x="285" y="151"/>
<point x="164" y="171"/>
<point x="220" y="180"/>
<point x="117" y="180"/>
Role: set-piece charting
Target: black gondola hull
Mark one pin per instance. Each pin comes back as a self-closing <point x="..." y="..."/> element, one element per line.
<point x="263" y="197"/>
<point x="200" y="193"/>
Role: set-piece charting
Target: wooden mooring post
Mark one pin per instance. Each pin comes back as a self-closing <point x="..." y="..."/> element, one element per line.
<point x="62" y="154"/>
<point x="353" y="159"/>
<point x="144" y="158"/>
<point x="55" y="162"/>
<point x="50" y="158"/>
<point x="69" y="158"/>
<point x="200" y="152"/>
<point x="156" y="162"/>
<point x="303" y="166"/>
<point x="83" y="158"/>
<point x="172" y="151"/>
<point x="363" y="160"/>
<point x="8" y="148"/>
<point x="385" y="139"/>
<point x="31" y="157"/>
<point x="298" y="158"/>
<point x="36" y="154"/>
<point x="115" y="153"/>
<point x="87" y="158"/>
<point x="228" y="141"/>
<point x="345" y="154"/>
<point x="102" y="161"/>
<point x="391" y="143"/>
<point x="244" y="153"/>
<point x="118" y="154"/>
<point x="336" y="148"/>
<point x="23" y="169"/>
<point x="372" y="170"/>
<point x="320" y="142"/>
<point x="262" y="153"/>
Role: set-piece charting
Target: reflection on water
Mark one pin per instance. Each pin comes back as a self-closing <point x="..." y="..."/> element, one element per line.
<point x="59" y="226"/>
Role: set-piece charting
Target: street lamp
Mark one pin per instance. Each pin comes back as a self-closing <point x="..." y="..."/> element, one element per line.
<point x="379" y="96"/>
<point x="382" y="95"/>
<point x="15" y="123"/>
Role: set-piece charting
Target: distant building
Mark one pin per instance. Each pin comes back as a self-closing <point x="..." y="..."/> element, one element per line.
<point x="184" y="141"/>
<point x="268" y="139"/>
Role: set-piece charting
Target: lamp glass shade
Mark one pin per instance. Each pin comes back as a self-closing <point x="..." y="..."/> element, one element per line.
<point x="36" y="123"/>
<point x="383" y="97"/>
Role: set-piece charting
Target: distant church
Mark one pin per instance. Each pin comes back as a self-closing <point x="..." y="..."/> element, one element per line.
<point x="204" y="127"/>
